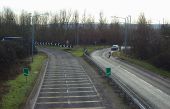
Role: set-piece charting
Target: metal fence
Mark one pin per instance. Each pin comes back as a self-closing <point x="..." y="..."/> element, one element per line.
<point x="125" y="91"/>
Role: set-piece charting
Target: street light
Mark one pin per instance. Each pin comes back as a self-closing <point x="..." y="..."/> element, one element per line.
<point x="33" y="31"/>
<point x="126" y="28"/>
<point x="125" y="33"/>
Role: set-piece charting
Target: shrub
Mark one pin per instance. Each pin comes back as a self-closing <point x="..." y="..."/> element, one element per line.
<point x="10" y="54"/>
<point x="162" y="60"/>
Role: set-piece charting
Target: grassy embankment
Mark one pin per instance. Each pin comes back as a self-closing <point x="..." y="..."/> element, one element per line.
<point x="144" y="64"/>
<point x="19" y="89"/>
<point x="78" y="51"/>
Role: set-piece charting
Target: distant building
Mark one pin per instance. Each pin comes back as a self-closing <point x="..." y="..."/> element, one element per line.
<point x="10" y="38"/>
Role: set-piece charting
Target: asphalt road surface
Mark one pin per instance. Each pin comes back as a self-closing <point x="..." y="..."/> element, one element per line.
<point x="153" y="89"/>
<point x="66" y="85"/>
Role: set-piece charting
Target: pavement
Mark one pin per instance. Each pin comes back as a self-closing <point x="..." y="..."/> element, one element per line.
<point x="152" y="88"/>
<point x="66" y="85"/>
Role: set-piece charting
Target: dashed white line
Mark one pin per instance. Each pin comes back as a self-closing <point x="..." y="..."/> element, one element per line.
<point x="87" y="96"/>
<point x="70" y="88"/>
<point x="71" y="102"/>
<point x="65" y="84"/>
<point x="69" y="92"/>
<point x="66" y="81"/>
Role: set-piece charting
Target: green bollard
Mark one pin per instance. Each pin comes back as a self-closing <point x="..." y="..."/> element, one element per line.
<point x="108" y="72"/>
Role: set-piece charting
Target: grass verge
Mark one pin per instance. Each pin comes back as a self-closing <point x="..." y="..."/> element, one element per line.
<point x="143" y="64"/>
<point x="78" y="51"/>
<point x="19" y="89"/>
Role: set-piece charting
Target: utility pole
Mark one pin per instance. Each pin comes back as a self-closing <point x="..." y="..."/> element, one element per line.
<point x="125" y="39"/>
<point x="76" y="33"/>
<point x="129" y="28"/>
<point x="126" y="30"/>
<point x="33" y="33"/>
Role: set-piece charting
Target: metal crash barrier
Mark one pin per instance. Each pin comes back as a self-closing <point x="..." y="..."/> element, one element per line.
<point x="130" y="96"/>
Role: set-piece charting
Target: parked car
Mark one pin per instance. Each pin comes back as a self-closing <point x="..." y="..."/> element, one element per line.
<point x="115" y="48"/>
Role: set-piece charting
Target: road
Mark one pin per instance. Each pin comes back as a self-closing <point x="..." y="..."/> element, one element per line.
<point x="66" y="85"/>
<point x="153" y="89"/>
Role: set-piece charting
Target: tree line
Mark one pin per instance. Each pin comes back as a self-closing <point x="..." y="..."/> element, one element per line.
<point x="12" y="52"/>
<point x="61" y="26"/>
<point x="146" y="42"/>
<point x="151" y="44"/>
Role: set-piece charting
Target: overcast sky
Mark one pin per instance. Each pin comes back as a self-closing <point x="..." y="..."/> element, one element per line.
<point x="154" y="10"/>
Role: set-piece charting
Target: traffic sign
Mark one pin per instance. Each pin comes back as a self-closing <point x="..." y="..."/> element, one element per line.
<point x="108" y="72"/>
<point x="25" y="71"/>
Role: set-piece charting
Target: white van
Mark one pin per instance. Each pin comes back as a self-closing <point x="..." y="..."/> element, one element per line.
<point x="115" y="48"/>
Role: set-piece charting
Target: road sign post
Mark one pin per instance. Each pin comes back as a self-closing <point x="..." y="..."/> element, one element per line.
<point x="26" y="72"/>
<point x="108" y="72"/>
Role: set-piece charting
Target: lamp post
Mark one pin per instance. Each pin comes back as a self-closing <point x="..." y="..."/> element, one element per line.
<point x="76" y="33"/>
<point x="126" y="29"/>
<point x="33" y="32"/>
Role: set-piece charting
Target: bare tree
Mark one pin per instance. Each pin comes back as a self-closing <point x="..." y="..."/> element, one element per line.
<point x="9" y="22"/>
<point x="25" y="24"/>
<point x="116" y="32"/>
<point x="142" y="38"/>
<point x="43" y="30"/>
<point x="102" y="28"/>
<point x="54" y="27"/>
<point x="90" y="28"/>
<point x="64" y="19"/>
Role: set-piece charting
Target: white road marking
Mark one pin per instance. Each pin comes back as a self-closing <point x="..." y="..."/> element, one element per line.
<point x="65" y="84"/>
<point x="69" y="92"/>
<point x="81" y="108"/>
<point x="87" y="96"/>
<point x="92" y="84"/>
<point x="150" y="85"/>
<point x="64" y="79"/>
<point x="65" y="74"/>
<point x="79" y="76"/>
<point x="154" y="95"/>
<point x="67" y="81"/>
<point x="70" y="88"/>
<point x="71" y="102"/>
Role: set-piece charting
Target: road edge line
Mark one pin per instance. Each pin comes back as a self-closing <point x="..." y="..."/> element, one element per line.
<point x="32" y="98"/>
